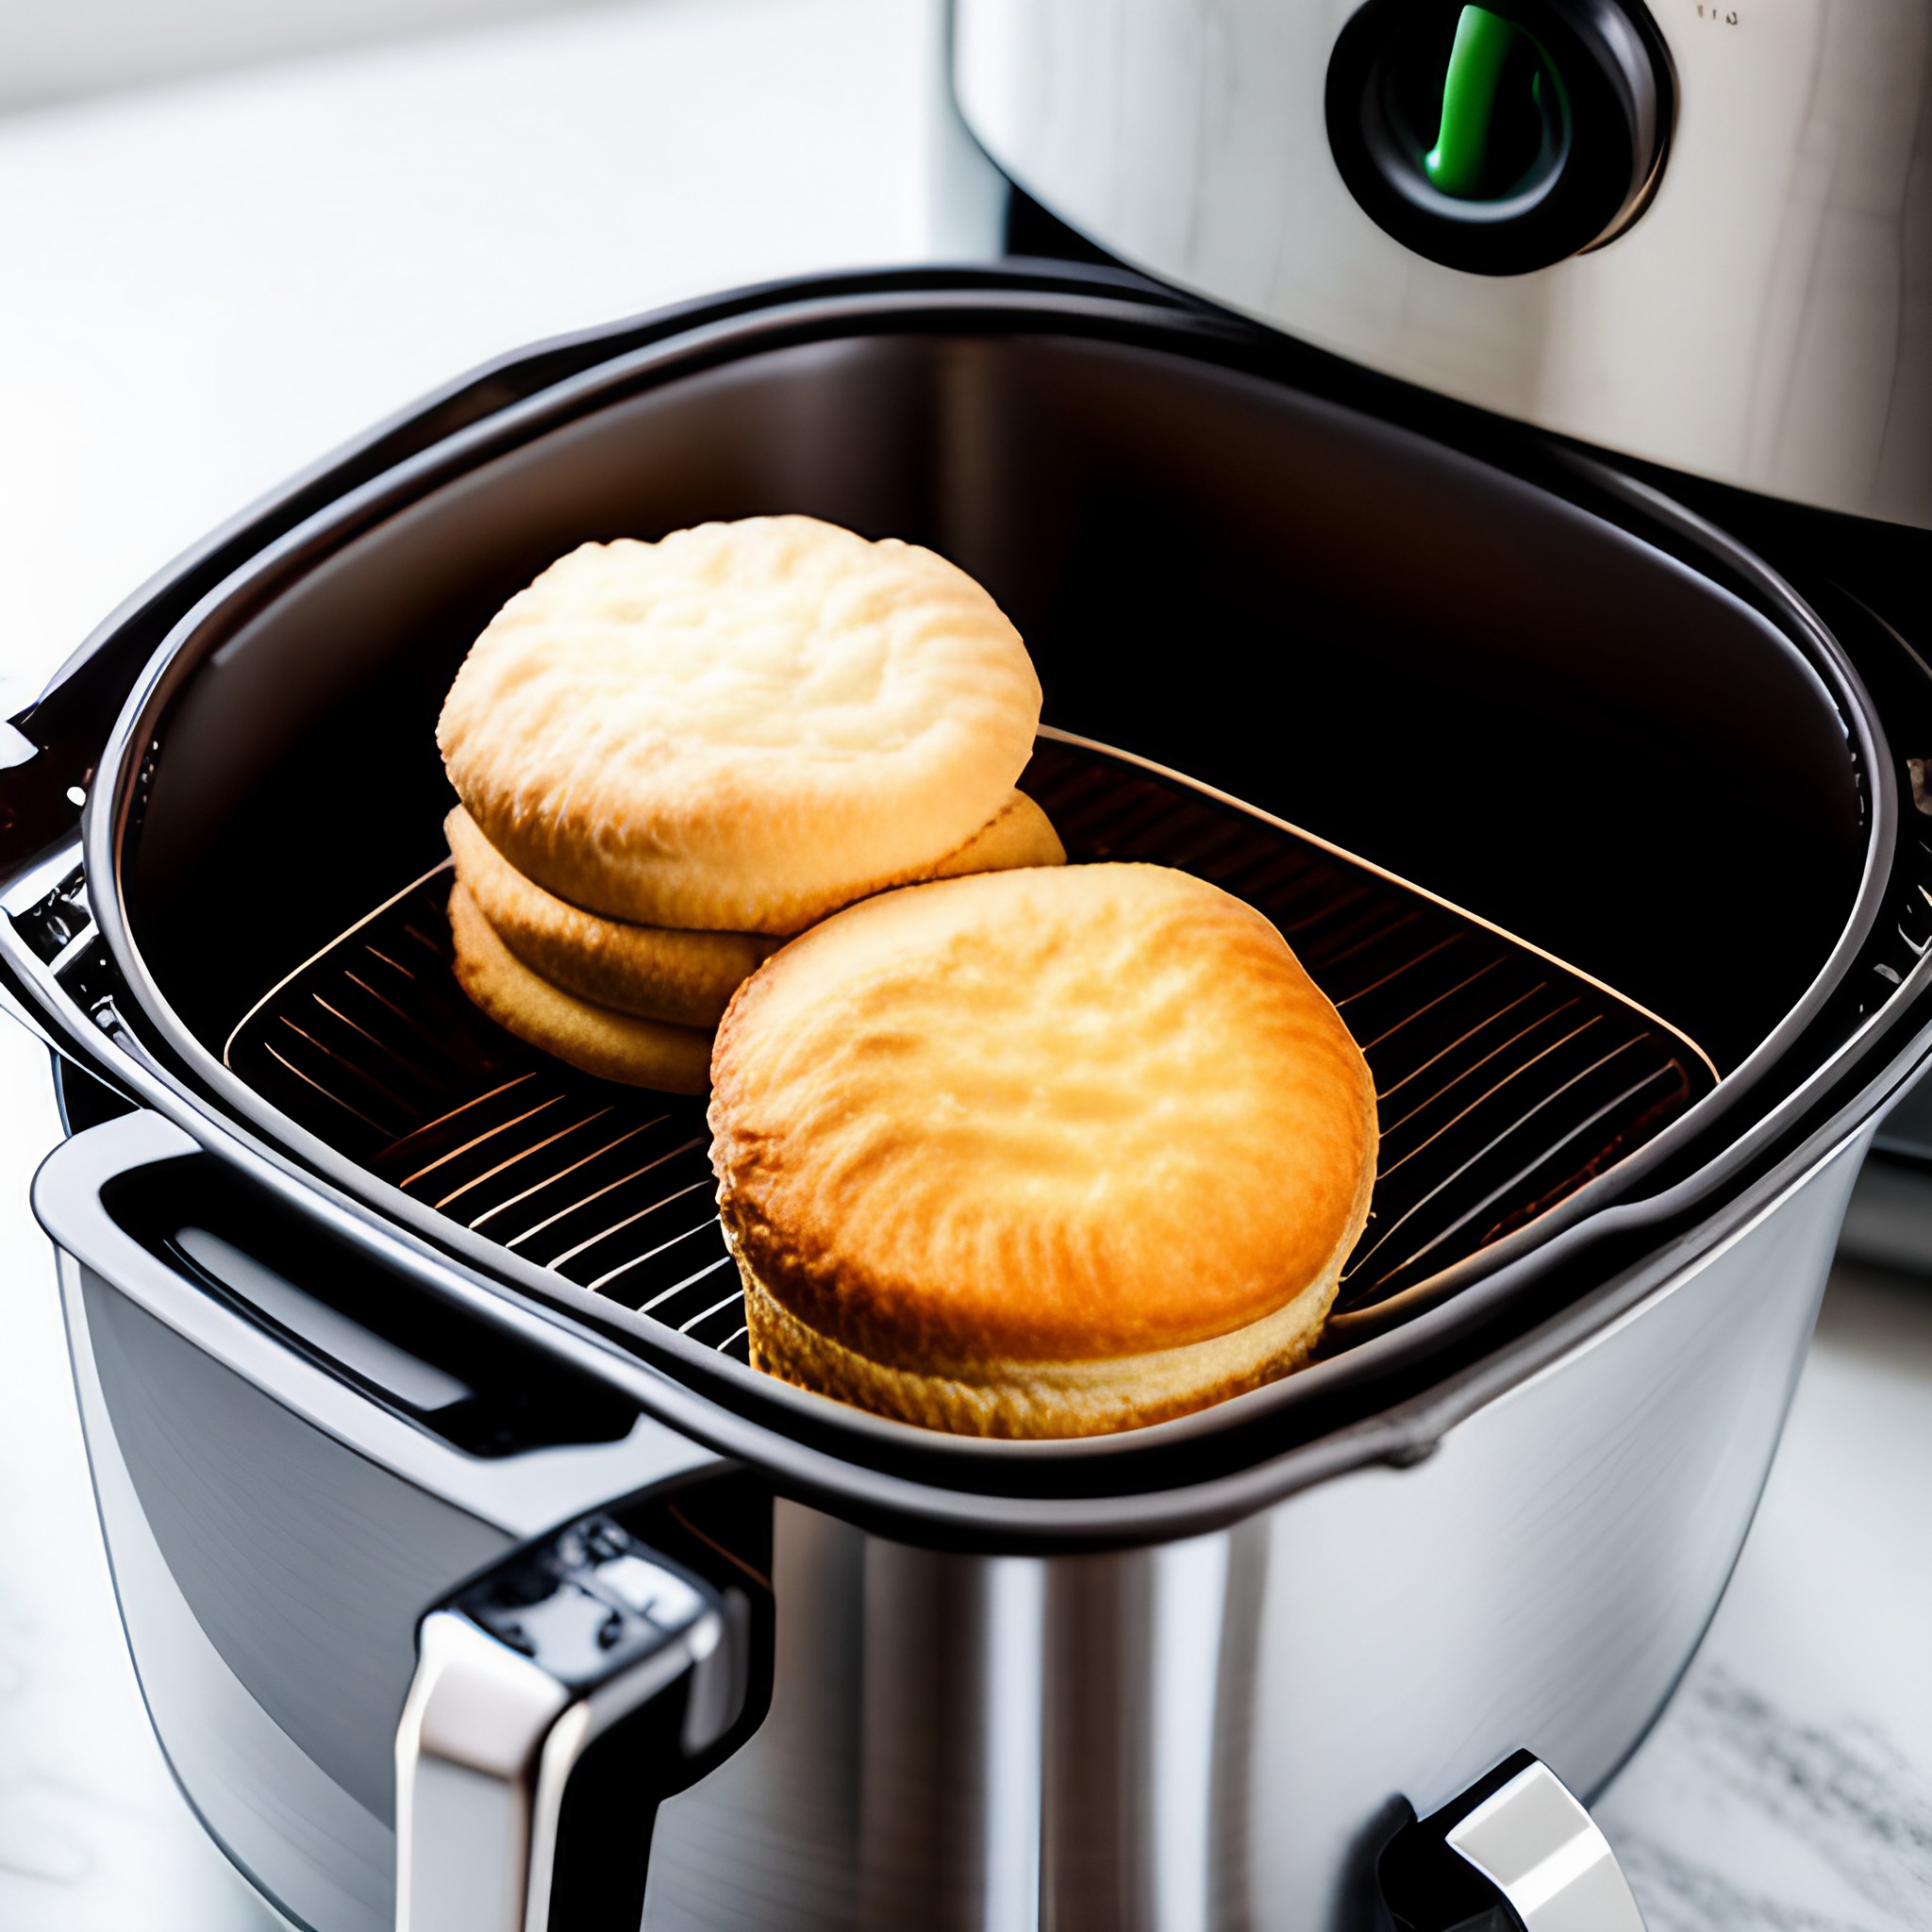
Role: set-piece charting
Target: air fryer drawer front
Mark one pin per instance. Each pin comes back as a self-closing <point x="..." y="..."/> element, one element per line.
<point x="287" y="1489"/>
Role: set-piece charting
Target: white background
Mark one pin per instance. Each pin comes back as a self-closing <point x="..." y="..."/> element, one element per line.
<point x="205" y="284"/>
<point x="55" y="49"/>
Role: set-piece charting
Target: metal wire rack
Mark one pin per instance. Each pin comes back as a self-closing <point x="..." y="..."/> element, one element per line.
<point x="1504" y="1080"/>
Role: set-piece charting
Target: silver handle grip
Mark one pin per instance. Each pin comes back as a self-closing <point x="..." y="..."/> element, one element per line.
<point x="1516" y="1849"/>
<point x="587" y="1634"/>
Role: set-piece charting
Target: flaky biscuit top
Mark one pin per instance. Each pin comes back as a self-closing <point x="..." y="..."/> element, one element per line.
<point x="740" y="725"/>
<point x="1039" y="1116"/>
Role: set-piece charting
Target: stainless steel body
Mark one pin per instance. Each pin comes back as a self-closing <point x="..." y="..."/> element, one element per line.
<point x="1766" y="320"/>
<point x="1191" y="1677"/>
<point x="1212" y="1731"/>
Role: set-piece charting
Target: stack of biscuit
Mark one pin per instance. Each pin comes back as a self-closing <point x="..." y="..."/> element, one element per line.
<point x="673" y="757"/>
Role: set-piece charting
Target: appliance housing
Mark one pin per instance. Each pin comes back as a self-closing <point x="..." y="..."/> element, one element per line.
<point x="1762" y="322"/>
<point x="365" y="1475"/>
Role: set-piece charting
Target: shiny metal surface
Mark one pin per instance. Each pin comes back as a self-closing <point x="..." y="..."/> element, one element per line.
<point x="1214" y="1733"/>
<point x="293" y="1830"/>
<point x="491" y="1737"/>
<point x="1543" y="1852"/>
<point x="467" y="1755"/>
<point x="1767" y="321"/>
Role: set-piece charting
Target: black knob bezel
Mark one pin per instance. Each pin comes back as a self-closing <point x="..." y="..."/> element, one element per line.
<point x="1620" y="100"/>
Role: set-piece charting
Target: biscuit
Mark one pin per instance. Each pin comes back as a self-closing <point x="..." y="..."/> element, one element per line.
<point x="654" y="972"/>
<point x="614" y="1046"/>
<point x="741" y="726"/>
<point x="1040" y="1153"/>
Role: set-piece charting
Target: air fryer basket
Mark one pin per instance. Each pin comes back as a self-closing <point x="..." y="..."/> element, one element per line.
<point x="1521" y="699"/>
<point x="1506" y="1082"/>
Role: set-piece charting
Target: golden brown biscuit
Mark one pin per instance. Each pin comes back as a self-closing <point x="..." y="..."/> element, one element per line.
<point x="615" y="1046"/>
<point x="1040" y="1153"/>
<point x="654" y="972"/>
<point x="741" y="726"/>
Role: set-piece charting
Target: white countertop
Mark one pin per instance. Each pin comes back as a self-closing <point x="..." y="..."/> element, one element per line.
<point x="207" y="285"/>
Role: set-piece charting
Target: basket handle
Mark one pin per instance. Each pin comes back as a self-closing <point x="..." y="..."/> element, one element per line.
<point x="587" y="1641"/>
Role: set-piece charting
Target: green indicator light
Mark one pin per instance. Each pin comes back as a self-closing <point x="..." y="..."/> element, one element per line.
<point x="1483" y="41"/>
